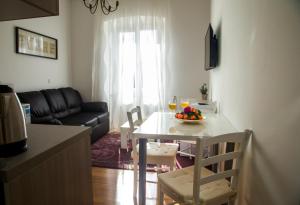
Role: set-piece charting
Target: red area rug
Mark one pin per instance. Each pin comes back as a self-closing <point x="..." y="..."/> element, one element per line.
<point x="107" y="153"/>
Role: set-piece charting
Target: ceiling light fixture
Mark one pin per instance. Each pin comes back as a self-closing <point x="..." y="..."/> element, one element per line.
<point x="106" y="7"/>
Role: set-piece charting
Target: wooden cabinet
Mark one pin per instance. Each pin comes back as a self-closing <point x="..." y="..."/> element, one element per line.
<point x="56" y="169"/>
<point x="49" y="6"/>
<point x="23" y="9"/>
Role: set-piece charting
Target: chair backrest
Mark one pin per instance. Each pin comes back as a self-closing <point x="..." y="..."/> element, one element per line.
<point x="139" y="120"/>
<point x="239" y="139"/>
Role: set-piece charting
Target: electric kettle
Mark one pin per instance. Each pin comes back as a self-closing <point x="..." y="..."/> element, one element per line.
<point x="13" y="134"/>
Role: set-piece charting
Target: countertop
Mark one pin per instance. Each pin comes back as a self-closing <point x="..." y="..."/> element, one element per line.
<point x="43" y="141"/>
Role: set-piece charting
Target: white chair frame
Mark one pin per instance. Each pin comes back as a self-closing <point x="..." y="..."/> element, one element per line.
<point x="240" y="141"/>
<point x="133" y="125"/>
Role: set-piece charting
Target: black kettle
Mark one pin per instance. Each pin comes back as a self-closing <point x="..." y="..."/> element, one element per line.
<point x="13" y="134"/>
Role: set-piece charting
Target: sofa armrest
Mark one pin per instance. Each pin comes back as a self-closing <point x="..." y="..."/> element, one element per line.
<point x="95" y="107"/>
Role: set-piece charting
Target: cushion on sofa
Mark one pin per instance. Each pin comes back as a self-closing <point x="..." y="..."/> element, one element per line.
<point x="83" y="118"/>
<point x="73" y="99"/>
<point x="100" y="107"/>
<point x="56" y="102"/>
<point x="103" y="117"/>
<point x="40" y="111"/>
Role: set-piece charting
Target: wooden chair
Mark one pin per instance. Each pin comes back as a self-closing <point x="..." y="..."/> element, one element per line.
<point x="200" y="186"/>
<point x="157" y="153"/>
<point x="187" y="151"/>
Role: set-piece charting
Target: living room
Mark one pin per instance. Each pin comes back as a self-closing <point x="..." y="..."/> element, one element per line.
<point x="108" y="59"/>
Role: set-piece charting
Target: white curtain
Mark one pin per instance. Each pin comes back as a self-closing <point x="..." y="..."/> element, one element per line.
<point x="130" y="58"/>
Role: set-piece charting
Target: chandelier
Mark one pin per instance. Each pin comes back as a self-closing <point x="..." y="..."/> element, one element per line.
<point x="106" y="7"/>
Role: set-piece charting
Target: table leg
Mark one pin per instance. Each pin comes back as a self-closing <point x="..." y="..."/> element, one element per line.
<point x="142" y="170"/>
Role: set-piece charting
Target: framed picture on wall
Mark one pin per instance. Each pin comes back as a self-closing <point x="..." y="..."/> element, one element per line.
<point x="35" y="44"/>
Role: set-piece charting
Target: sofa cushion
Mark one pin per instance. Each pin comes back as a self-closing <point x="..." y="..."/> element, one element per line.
<point x="40" y="111"/>
<point x="94" y="107"/>
<point x="56" y="102"/>
<point x="73" y="99"/>
<point x="83" y="118"/>
<point x="103" y="117"/>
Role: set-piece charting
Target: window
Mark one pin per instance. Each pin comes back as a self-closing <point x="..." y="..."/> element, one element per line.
<point x="127" y="64"/>
<point x="139" y="62"/>
<point x="132" y="65"/>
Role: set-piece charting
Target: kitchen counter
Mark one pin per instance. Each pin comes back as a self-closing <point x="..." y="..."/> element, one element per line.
<point x="51" y="160"/>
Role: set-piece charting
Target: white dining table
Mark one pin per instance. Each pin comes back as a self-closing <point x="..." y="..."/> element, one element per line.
<point x="163" y="125"/>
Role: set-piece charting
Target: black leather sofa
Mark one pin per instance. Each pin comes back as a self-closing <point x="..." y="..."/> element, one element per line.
<point x="64" y="106"/>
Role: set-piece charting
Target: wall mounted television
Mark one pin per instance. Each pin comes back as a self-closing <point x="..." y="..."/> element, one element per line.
<point x="211" y="49"/>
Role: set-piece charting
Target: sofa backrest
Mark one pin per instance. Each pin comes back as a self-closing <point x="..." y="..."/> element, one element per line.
<point x="40" y="111"/>
<point x="72" y="99"/>
<point x="50" y="104"/>
<point x="56" y="103"/>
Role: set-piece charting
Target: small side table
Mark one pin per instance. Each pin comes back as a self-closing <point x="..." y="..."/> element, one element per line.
<point x="124" y="129"/>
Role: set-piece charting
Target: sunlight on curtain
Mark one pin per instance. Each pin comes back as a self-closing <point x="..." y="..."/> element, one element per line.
<point x="151" y="67"/>
<point x="150" y="55"/>
<point x="130" y="67"/>
<point x="127" y="63"/>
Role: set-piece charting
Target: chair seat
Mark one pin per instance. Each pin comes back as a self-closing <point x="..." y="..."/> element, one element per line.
<point x="160" y="149"/>
<point x="180" y="184"/>
<point x="160" y="153"/>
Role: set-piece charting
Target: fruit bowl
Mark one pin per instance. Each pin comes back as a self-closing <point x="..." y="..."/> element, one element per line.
<point x="189" y="121"/>
<point x="189" y="115"/>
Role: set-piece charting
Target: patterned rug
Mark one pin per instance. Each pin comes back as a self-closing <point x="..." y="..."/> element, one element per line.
<point x="107" y="153"/>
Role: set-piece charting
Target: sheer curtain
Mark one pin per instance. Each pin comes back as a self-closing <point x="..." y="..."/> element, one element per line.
<point x="130" y="58"/>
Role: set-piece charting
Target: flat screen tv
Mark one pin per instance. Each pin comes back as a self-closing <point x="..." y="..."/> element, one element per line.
<point x="211" y="49"/>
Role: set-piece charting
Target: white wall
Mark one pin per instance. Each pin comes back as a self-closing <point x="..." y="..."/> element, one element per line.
<point x="33" y="73"/>
<point x="257" y="84"/>
<point x="189" y="24"/>
<point x="82" y="48"/>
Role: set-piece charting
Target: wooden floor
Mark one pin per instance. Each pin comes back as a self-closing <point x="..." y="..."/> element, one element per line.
<point x="115" y="187"/>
